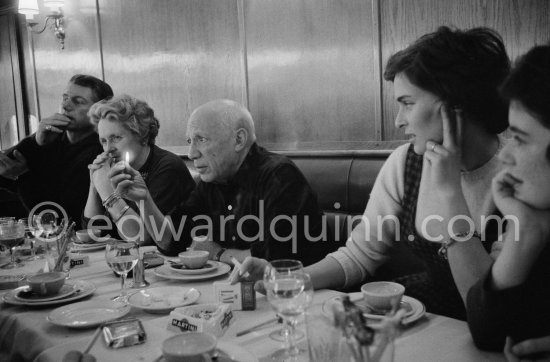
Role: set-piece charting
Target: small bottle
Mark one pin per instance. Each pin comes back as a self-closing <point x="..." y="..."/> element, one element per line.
<point x="139" y="275"/>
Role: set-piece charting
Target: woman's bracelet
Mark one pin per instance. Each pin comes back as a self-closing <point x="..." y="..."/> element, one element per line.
<point x="122" y="212"/>
<point x="442" y="252"/>
<point x="110" y="201"/>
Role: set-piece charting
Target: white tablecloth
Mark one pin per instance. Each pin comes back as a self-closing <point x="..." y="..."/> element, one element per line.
<point x="25" y="333"/>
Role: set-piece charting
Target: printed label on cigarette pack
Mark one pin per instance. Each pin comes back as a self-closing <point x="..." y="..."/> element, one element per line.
<point x="241" y="295"/>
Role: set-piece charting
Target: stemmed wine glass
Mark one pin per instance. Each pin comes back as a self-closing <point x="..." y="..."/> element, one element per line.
<point x="290" y="292"/>
<point x="281" y="335"/>
<point x="12" y="234"/>
<point x="122" y="257"/>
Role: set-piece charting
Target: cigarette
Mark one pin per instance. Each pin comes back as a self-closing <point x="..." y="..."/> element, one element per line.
<point x="237" y="269"/>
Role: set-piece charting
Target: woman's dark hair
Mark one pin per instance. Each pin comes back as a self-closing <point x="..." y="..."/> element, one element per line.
<point x="529" y="84"/>
<point x="100" y="89"/>
<point x="462" y="67"/>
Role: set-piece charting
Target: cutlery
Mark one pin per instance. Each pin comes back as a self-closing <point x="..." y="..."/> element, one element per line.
<point x="257" y="326"/>
<point x="92" y="341"/>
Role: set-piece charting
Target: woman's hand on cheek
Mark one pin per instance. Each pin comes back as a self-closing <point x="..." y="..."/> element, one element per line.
<point x="444" y="160"/>
<point x="503" y="193"/>
<point x="524" y="220"/>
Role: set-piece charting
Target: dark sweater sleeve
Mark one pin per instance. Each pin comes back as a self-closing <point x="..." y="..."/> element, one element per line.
<point x="494" y="314"/>
<point x="29" y="149"/>
<point x="182" y="218"/>
<point x="288" y="195"/>
<point x="170" y="183"/>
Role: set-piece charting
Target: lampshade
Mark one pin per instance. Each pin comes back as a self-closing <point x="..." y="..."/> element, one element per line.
<point x="28" y="7"/>
<point x="54" y="4"/>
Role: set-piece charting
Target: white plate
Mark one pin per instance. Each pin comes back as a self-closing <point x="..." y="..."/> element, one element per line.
<point x="228" y="352"/>
<point x="88" y="245"/>
<point x="84" y="288"/>
<point x="166" y="272"/>
<point x="163" y="299"/>
<point x="179" y="268"/>
<point x="25" y="295"/>
<point x="415" y="308"/>
<point x="91" y="247"/>
<point x="88" y="314"/>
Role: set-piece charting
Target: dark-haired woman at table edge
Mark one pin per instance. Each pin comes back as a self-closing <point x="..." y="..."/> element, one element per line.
<point x="513" y="299"/>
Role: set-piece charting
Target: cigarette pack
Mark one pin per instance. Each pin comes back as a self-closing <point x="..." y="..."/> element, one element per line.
<point x="241" y="295"/>
<point x="124" y="333"/>
<point x="210" y="318"/>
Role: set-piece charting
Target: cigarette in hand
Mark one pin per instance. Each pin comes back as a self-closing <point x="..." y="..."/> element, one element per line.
<point x="237" y="270"/>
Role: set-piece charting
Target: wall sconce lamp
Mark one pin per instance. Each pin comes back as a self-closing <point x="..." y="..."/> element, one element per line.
<point x="30" y="9"/>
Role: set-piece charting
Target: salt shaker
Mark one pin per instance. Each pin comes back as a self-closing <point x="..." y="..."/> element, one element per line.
<point x="139" y="275"/>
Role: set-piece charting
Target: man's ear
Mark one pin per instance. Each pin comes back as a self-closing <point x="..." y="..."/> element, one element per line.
<point x="241" y="139"/>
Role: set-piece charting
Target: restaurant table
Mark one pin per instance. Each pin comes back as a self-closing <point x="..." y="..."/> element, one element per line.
<point x="26" y="335"/>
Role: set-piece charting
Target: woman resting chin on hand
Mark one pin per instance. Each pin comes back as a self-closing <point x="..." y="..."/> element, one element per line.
<point x="513" y="298"/>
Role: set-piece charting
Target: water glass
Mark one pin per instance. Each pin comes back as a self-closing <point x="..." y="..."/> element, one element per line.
<point x="290" y="292"/>
<point x="121" y="257"/>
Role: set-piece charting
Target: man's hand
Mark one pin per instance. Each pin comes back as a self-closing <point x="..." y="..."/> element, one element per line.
<point x="252" y="269"/>
<point x="255" y="268"/>
<point x="51" y="128"/>
<point x="11" y="168"/>
<point x="536" y="350"/>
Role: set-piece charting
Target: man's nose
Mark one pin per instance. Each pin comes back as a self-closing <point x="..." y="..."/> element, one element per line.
<point x="66" y="104"/>
<point x="193" y="153"/>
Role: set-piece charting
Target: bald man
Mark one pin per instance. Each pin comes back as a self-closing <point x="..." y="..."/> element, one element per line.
<point x="248" y="202"/>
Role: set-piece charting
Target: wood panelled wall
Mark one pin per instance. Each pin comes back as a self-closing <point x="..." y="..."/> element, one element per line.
<point x="309" y="70"/>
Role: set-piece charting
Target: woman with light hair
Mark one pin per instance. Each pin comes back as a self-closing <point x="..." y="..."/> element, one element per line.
<point x="127" y="129"/>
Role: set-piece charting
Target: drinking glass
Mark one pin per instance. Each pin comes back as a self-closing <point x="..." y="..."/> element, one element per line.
<point x="12" y="234"/>
<point x="281" y="335"/>
<point x="122" y="256"/>
<point x="290" y="292"/>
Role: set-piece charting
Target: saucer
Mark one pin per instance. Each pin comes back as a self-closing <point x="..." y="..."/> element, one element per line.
<point x="26" y="295"/>
<point x="163" y="299"/>
<point x="83" y="288"/>
<point x="415" y="309"/>
<point x="168" y="273"/>
<point x="182" y="269"/>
